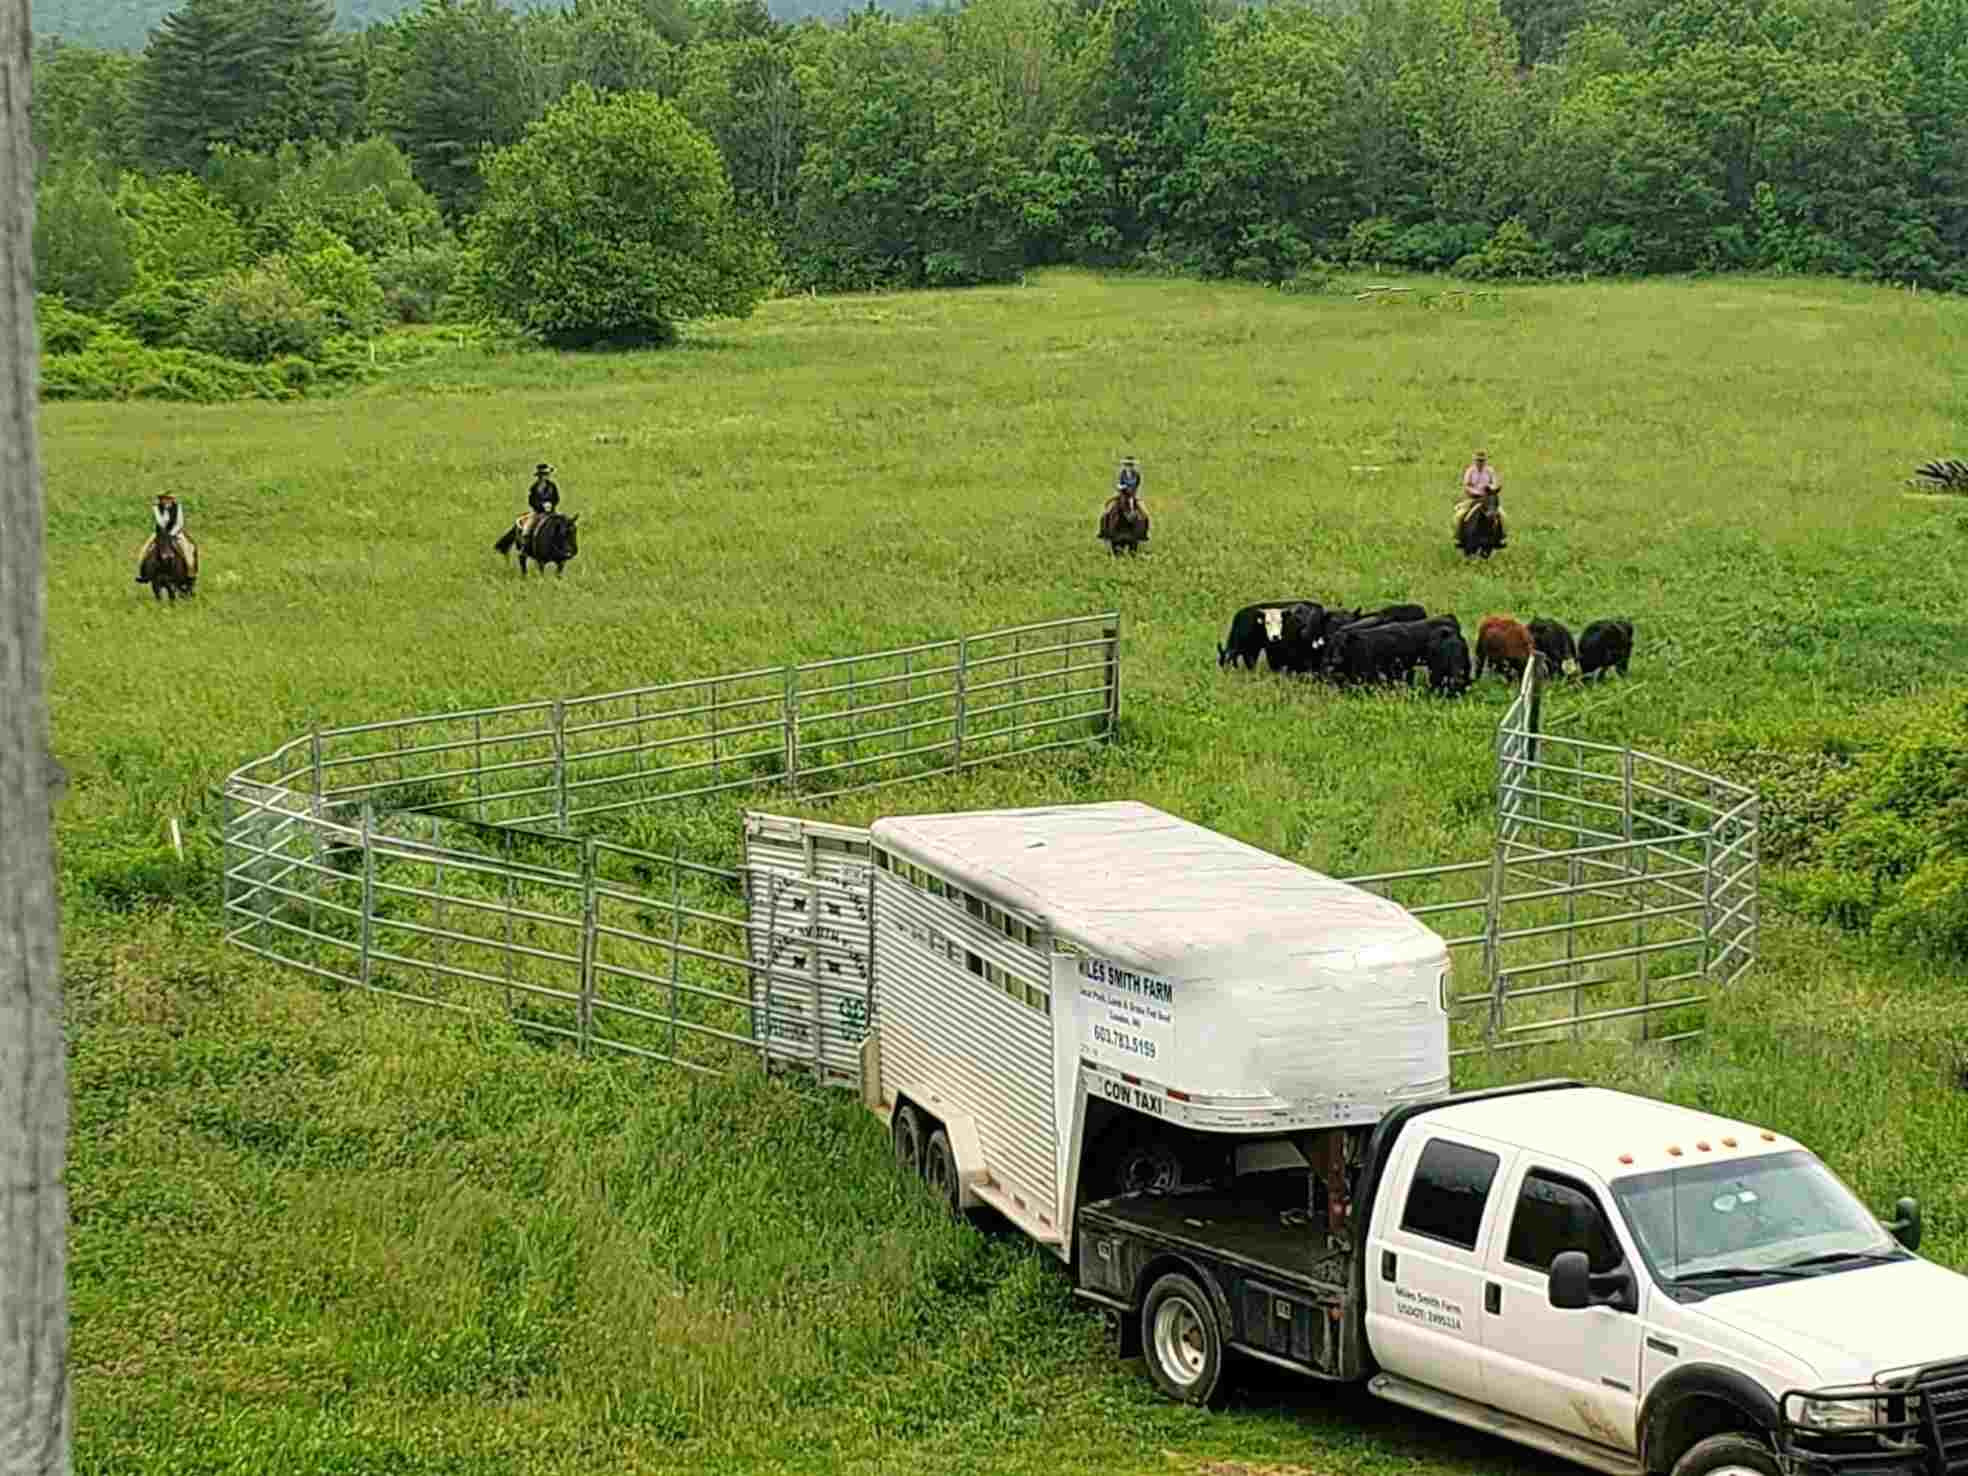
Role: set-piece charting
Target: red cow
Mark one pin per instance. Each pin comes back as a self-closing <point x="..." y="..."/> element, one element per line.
<point x="1504" y="643"/>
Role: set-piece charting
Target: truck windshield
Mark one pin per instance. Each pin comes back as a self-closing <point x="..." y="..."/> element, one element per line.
<point x="1760" y="1214"/>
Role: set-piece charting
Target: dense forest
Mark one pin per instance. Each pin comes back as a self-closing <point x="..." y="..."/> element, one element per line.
<point x="1273" y="142"/>
<point x="125" y="25"/>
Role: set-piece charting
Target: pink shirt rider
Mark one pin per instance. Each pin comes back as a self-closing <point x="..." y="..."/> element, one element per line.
<point x="1478" y="478"/>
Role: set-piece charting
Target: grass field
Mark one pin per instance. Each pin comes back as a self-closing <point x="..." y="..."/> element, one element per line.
<point x="319" y="1232"/>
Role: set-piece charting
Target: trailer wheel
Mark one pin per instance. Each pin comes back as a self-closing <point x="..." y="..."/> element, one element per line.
<point x="907" y="1132"/>
<point x="940" y="1169"/>
<point x="1181" y="1341"/>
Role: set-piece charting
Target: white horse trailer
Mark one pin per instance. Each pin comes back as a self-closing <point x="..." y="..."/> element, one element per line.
<point x="1075" y="1001"/>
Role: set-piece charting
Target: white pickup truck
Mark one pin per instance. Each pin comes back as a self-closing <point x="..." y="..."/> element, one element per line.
<point x="1631" y="1285"/>
<point x="1216" y="1084"/>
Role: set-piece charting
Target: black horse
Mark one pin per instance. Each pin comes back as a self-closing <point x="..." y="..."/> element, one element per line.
<point x="1124" y="523"/>
<point x="551" y="540"/>
<point x="1479" y="532"/>
<point x="166" y="570"/>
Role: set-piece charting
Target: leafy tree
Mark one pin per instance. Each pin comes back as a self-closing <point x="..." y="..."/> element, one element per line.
<point x="1269" y="180"/>
<point x="613" y="220"/>
<point x="84" y="250"/>
<point x="746" y="94"/>
<point x="460" y="83"/>
<point x="1135" y="69"/>
<point x="181" y="231"/>
<point x="612" y="45"/>
<point x="83" y="104"/>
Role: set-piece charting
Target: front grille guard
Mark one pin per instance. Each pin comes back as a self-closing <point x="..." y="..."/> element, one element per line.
<point x="1916" y="1421"/>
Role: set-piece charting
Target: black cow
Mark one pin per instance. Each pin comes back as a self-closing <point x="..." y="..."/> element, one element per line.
<point x="1554" y="646"/>
<point x="1297" y="647"/>
<point x="1385" y="651"/>
<point x="1393" y="614"/>
<point x="1447" y="659"/>
<point x="1605" y="644"/>
<point x="1255" y="631"/>
<point x="1324" y="658"/>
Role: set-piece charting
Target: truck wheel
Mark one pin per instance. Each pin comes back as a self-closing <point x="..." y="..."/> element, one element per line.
<point x="1727" y="1455"/>
<point x="906" y="1131"/>
<point x="1181" y="1341"/>
<point x="940" y="1169"/>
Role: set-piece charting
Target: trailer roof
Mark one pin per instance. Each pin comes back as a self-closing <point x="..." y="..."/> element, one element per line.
<point x="1149" y="889"/>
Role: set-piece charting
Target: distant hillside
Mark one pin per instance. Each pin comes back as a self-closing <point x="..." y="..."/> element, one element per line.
<point x="127" y="23"/>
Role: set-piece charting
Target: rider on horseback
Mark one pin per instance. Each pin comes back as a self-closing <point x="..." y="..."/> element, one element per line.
<point x="1479" y="483"/>
<point x="169" y="518"/>
<point x="1124" y="515"/>
<point x="543" y="497"/>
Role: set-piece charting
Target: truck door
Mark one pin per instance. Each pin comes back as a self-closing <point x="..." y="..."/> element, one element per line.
<point x="1576" y="1371"/>
<point x="1425" y="1259"/>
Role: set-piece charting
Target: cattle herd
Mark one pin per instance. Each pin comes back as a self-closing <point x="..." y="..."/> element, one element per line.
<point x="1350" y="647"/>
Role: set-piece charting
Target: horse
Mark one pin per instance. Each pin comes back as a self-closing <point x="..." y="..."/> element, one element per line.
<point x="1479" y="526"/>
<point x="551" y="540"/>
<point x="166" y="570"/>
<point x="1124" y="524"/>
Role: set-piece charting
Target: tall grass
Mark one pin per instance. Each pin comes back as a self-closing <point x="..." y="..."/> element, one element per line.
<point x="319" y="1232"/>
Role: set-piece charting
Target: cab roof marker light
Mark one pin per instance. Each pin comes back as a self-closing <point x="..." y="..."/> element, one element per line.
<point x="1769" y="1137"/>
<point x="1728" y="1142"/>
<point x="1674" y="1150"/>
<point x="1702" y="1144"/>
<point x="1626" y="1158"/>
<point x="1179" y="1096"/>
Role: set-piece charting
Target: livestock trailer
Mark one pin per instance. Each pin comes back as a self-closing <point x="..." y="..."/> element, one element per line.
<point x="1071" y="1001"/>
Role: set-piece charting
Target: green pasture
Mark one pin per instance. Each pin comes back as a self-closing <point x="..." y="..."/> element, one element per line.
<point x="316" y="1231"/>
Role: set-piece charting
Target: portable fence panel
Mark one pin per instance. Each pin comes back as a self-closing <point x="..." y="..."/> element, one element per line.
<point x="671" y="975"/>
<point x="441" y="859"/>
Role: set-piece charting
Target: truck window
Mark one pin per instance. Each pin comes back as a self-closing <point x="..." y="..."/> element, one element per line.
<point x="1556" y="1214"/>
<point x="1451" y="1185"/>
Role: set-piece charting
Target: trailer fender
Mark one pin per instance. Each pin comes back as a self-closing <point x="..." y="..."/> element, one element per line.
<point x="871" y="1077"/>
<point x="969" y="1149"/>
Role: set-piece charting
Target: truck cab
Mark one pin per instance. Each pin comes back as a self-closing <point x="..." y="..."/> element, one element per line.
<point x="1631" y="1285"/>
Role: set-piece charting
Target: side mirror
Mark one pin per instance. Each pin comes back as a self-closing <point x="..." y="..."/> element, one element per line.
<point x="1571" y="1281"/>
<point x="1906" y="1225"/>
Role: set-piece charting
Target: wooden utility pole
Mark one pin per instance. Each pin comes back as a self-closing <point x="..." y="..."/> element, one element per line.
<point x="34" y="1398"/>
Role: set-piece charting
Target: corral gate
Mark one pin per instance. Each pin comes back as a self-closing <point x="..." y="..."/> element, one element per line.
<point x="435" y="859"/>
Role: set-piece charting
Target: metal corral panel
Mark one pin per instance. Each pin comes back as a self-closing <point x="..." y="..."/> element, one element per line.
<point x="960" y="1042"/>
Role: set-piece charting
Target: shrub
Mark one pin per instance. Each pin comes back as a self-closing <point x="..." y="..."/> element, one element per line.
<point x="62" y="329"/>
<point x="259" y="315"/>
<point x="158" y="314"/>
<point x="117" y="367"/>
<point x="336" y="280"/>
<point x="1512" y="254"/>
<point x="416" y="282"/>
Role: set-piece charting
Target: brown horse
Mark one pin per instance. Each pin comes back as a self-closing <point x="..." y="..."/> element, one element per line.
<point x="1479" y="525"/>
<point x="1124" y="523"/>
<point x="166" y="570"/>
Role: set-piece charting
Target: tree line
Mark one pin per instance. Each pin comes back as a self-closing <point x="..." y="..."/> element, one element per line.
<point x="969" y="143"/>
